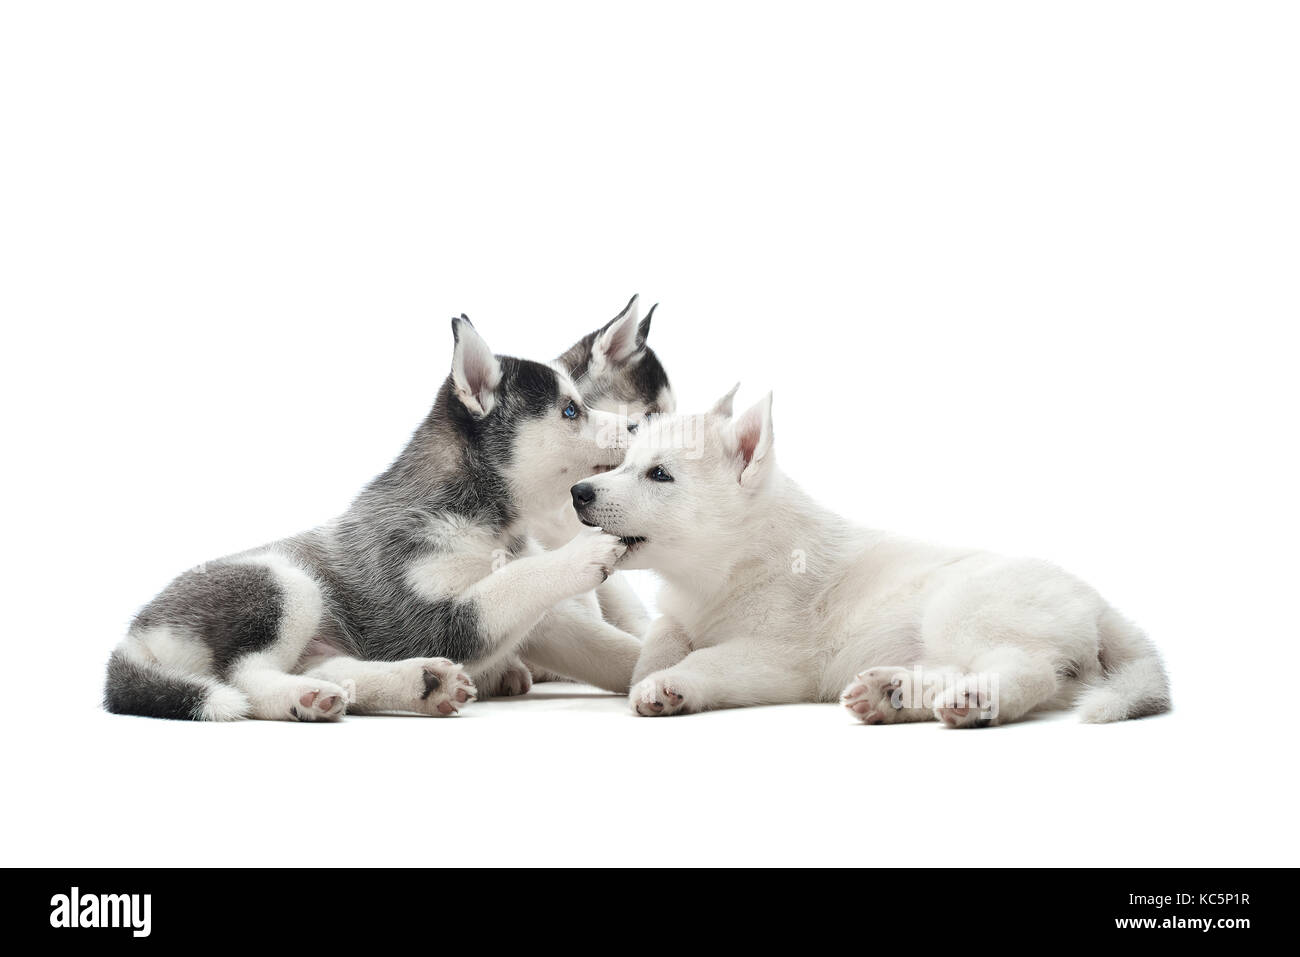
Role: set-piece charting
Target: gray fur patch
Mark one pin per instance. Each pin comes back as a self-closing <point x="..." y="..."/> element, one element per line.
<point x="233" y="608"/>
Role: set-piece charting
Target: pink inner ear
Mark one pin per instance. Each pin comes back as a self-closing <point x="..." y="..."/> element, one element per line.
<point x="749" y="429"/>
<point x="478" y="366"/>
<point x="619" y="342"/>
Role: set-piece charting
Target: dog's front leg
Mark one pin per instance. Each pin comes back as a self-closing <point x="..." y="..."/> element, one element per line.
<point x="731" y="675"/>
<point x="666" y="643"/>
<point x="574" y="640"/>
<point x="505" y="606"/>
<point x="621" y="606"/>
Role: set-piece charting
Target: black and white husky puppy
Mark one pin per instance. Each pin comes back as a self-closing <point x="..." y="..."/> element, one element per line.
<point x="428" y="583"/>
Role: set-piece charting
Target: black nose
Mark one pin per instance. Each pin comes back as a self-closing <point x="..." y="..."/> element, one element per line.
<point x="583" y="494"/>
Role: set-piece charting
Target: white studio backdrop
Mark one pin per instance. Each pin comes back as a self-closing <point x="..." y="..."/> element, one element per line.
<point x="1022" y="276"/>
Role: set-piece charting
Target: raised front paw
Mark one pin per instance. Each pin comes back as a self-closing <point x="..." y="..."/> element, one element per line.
<point x="590" y="556"/>
<point x="658" y="696"/>
<point x="440" y="686"/>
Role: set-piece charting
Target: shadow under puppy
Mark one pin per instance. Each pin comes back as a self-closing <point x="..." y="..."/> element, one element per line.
<point x="770" y="598"/>
<point x="429" y="570"/>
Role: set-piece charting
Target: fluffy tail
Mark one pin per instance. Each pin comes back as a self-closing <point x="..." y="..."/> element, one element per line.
<point x="151" y="690"/>
<point x="1133" y="682"/>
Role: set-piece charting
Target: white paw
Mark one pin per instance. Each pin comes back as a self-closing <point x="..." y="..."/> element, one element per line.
<point x="875" y="696"/>
<point x="658" y="696"/>
<point x="965" y="703"/>
<point x="440" y="686"/>
<point x="314" y="700"/>
<point x="592" y="556"/>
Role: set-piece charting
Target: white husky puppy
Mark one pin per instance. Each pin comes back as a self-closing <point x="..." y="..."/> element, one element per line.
<point x="770" y="598"/>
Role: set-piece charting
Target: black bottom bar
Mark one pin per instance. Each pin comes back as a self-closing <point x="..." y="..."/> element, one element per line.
<point x="848" y="910"/>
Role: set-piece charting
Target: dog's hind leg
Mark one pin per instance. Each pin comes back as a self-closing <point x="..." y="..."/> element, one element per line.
<point x="891" y="695"/>
<point x="277" y="695"/>
<point x="270" y="628"/>
<point x="220" y="642"/>
<point x="1003" y="684"/>
<point x="433" y="686"/>
<point x="1022" y="634"/>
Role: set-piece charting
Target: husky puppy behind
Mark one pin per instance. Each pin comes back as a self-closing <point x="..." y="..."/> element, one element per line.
<point x="616" y="372"/>
<point x="429" y="570"/>
<point x="770" y="599"/>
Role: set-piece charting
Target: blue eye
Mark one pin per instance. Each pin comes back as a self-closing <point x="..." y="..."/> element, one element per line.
<point x="659" y="474"/>
<point x="570" y="410"/>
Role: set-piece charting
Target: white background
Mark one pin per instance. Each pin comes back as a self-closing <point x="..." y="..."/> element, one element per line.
<point x="1022" y="275"/>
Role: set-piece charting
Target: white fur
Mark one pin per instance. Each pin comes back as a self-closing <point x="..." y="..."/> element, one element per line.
<point x="552" y="453"/>
<point x="167" y="646"/>
<point x="378" y="686"/>
<point x="722" y="407"/>
<point x="464" y="552"/>
<point x="224" y="703"/>
<point x="573" y="639"/>
<point x="770" y="598"/>
<point x="276" y="695"/>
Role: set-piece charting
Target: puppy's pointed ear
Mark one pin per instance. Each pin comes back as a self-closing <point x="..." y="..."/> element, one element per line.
<point x="643" y="327"/>
<point x="723" y="406"/>
<point x="620" y="339"/>
<point x="475" y="372"/>
<point x="753" y="432"/>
